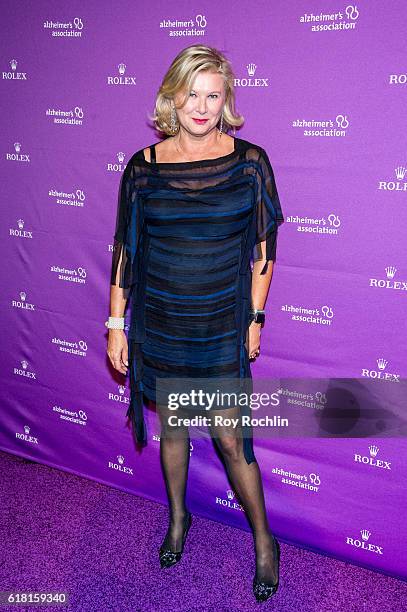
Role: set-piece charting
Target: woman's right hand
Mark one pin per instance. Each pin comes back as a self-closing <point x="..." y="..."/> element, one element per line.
<point x="117" y="349"/>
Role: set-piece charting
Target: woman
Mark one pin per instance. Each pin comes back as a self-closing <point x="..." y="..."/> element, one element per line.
<point x="193" y="210"/>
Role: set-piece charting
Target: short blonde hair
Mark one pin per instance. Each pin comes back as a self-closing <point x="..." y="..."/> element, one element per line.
<point x="181" y="75"/>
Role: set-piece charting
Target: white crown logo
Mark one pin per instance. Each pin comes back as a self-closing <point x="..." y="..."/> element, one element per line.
<point x="230" y="494"/>
<point x="381" y="363"/>
<point x="23" y="295"/>
<point x="251" y="69"/>
<point x="13" y="64"/>
<point x="400" y="172"/>
<point x="120" y="459"/>
<point x="365" y="534"/>
<point x="122" y="68"/>
<point x="20" y="223"/>
<point x="26" y="429"/>
<point x="122" y="389"/>
<point x="17" y="147"/>
<point x="120" y="157"/>
<point x="24" y="364"/>
<point x="373" y="450"/>
<point x="390" y="271"/>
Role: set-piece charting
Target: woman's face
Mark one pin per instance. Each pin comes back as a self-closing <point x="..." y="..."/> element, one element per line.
<point x="205" y="102"/>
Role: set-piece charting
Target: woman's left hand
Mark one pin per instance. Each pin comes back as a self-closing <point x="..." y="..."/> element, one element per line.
<point x="254" y="339"/>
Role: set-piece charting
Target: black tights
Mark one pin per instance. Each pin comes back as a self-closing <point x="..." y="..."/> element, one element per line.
<point x="245" y="479"/>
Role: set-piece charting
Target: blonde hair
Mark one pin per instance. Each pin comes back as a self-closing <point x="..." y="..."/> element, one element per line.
<point x="181" y="75"/>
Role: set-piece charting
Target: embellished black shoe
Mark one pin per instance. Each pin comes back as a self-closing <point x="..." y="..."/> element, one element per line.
<point x="264" y="590"/>
<point x="168" y="558"/>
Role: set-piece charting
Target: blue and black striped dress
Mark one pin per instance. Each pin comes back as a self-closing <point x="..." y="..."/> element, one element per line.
<point x="186" y="233"/>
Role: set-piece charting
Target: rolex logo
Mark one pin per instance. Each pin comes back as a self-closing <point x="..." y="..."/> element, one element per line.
<point x="122" y="389"/>
<point x="373" y="450"/>
<point x="121" y="78"/>
<point x="390" y="271"/>
<point x="229" y="501"/>
<point x="119" y="467"/>
<point x="13" y="64"/>
<point x="26" y="436"/>
<point x="24" y="364"/>
<point x="381" y="363"/>
<point x="20" y="224"/>
<point x="365" y="534"/>
<point x="399" y="183"/>
<point x="251" y="80"/>
<point x="372" y="459"/>
<point x="120" y="157"/>
<point x="17" y="147"/>
<point x="21" y="302"/>
<point x="400" y="172"/>
<point x="389" y="282"/>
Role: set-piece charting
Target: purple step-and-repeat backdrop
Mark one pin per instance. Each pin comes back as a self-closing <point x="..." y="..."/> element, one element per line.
<point x="322" y="86"/>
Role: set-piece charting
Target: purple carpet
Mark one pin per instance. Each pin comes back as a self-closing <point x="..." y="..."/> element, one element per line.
<point x="60" y="532"/>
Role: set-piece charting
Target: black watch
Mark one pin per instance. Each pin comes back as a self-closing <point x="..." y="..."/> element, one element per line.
<point x="258" y="316"/>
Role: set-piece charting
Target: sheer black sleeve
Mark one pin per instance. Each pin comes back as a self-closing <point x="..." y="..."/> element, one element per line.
<point x="121" y="268"/>
<point x="269" y="215"/>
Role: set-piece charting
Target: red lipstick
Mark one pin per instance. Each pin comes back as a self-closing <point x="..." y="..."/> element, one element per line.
<point x="200" y="121"/>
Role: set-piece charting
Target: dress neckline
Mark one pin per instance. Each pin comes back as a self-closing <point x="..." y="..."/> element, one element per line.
<point x="196" y="162"/>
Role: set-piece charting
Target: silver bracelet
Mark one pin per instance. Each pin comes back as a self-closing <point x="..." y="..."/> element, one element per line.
<point x="115" y="323"/>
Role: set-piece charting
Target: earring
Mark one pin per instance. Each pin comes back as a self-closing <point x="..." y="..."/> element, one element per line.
<point x="173" y="120"/>
<point x="221" y="124"/>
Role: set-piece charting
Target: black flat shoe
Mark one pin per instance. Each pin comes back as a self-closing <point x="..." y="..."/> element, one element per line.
<point x="168" y="558"/>
<point x="264" y="590"/>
